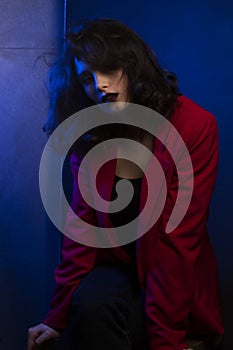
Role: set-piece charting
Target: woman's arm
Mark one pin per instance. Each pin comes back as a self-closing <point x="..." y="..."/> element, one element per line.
<point x="170" y="280"/>
<point x="77" y="259"/>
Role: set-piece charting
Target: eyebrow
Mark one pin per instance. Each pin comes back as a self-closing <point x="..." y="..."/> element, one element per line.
<point x="82" y="73"/>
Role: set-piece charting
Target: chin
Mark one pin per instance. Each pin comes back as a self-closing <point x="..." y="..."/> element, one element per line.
<point x="119" y="106"/>
<point x="113" y="107"/>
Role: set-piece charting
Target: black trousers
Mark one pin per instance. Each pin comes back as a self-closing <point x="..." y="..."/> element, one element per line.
<point x="107" y="312"/>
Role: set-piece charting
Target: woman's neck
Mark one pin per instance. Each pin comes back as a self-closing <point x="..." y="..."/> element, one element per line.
<point x="139" y="158"/>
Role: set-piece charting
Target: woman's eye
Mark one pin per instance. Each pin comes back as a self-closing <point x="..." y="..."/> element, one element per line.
<point x="87" y="79"/>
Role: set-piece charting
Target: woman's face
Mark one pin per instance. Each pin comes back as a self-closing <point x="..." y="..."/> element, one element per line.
<point x="102" y="87"/>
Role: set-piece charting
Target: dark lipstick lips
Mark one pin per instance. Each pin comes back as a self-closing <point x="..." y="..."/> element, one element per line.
<point x="109" y="97"/>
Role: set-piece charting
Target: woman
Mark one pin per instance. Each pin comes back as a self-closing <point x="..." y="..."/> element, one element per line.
<point x="154" y="292"/>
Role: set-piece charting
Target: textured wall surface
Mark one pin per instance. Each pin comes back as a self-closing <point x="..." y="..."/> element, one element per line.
<point x="193" y="39"/>
<point x="28" y="246"/>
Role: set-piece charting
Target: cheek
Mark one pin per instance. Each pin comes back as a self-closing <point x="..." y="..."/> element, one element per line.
<point x="124" y="84"/>
<point x="89" y="90"/>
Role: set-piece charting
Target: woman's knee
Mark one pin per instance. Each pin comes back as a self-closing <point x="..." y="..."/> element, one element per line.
<point x="94" y="308"/>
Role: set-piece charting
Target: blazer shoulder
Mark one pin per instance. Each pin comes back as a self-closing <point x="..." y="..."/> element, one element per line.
<point x="191" y="120"/>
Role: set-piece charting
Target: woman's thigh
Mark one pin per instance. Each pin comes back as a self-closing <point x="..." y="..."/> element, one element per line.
<point x="108" y="310"/>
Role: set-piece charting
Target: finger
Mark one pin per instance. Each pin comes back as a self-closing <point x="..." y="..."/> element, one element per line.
<point x="47" y="335"/>
<point x="32" y="334"/>
<point x="30" y="344"/>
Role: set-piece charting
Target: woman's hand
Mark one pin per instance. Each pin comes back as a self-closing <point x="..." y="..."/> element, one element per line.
<point x="39" y="334"/>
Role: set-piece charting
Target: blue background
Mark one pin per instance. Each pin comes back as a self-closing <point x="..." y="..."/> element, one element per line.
<point x="193" y="39"/>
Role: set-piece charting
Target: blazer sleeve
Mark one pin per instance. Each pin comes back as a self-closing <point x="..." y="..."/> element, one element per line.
<point x="170" y="279"/>
<point x="77" y="259"/>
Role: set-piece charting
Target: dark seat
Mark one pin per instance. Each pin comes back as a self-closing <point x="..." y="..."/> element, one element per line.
<point x="195" y="343"/>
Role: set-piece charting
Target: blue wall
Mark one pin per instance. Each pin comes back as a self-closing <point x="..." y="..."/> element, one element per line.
<point x="193" y="39"/>
<point x="28" y="244"/>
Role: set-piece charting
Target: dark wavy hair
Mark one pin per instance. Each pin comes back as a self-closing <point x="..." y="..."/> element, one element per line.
<point x="107" y="44"/>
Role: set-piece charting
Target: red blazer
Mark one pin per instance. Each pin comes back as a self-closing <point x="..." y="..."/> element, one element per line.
<point x="177" y="271"/>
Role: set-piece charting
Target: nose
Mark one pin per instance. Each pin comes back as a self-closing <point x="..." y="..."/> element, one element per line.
<point x="101" y="82"/>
